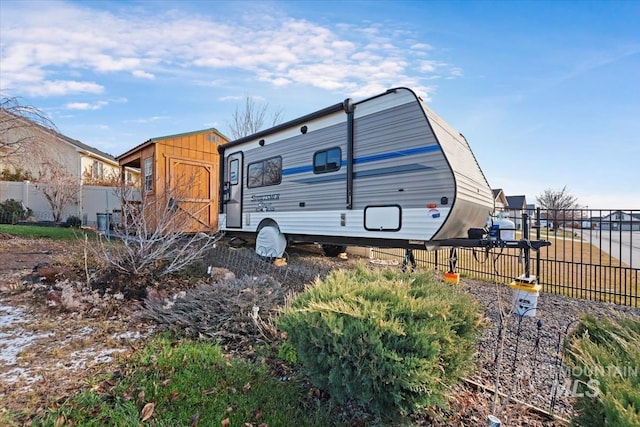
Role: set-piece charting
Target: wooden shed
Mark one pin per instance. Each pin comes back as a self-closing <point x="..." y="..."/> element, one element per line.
<point x="181" y="172"/>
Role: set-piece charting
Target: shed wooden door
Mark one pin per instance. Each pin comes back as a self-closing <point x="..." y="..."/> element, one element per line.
<point x="192" y="187"/>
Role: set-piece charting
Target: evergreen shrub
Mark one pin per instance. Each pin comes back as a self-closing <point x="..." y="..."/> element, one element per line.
<point x="390" y="341"/>
<point x="604" y="359"/>
<point x="73" y="221"/>
<point x="12" y="211"/>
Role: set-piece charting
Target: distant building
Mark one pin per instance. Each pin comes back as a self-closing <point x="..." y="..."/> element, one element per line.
<point x="620" y="221"/>
<point x="499" y="200"/>
<point x="516" y="206"/>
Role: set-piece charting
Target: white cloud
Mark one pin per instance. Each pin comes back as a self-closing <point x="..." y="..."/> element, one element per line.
<point x="421" y="46"/>
<point x="62" y="87"/>
<point x="143" y="74"/>
<point x="85" y="105"/>
<point x="37" y="51"/>
<point x="148" y="119"/>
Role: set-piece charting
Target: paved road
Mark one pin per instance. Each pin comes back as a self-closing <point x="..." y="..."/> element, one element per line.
<point x="623" y="245"/>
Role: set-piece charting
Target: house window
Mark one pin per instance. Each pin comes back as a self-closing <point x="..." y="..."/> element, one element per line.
<point x="97" y="170"/>
<point x="265" y="172"/>
<point x="148" y="174"/>
<point x="327" y="160"/>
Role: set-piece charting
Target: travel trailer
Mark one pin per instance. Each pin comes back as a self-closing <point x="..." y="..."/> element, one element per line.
<point x="382" y="172"/>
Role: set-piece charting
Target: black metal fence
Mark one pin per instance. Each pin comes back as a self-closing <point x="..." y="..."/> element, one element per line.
<point x="594" y="254"/>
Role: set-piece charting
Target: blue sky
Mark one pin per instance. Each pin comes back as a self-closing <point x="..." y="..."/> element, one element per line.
<point x="547" y="93"/>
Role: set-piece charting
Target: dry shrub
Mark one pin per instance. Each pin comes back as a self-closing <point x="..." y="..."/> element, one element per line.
<point x="235" y="312"/>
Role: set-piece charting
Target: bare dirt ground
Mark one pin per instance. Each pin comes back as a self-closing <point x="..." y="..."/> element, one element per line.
<point x="57" y="337"/>
<point x="51" y="340"/>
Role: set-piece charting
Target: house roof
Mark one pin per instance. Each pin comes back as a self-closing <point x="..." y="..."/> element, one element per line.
<point x="516" y="202"/>
<point x="498" y="196"/>
<point x="87" y="149"/>
<point x="79" y="146"/>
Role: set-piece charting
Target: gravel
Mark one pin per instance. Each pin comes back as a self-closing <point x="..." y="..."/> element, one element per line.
<point x="531" y="368"/>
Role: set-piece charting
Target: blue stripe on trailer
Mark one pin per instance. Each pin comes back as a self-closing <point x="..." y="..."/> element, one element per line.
<point x="367" y="159"/>
<point x="396" y="154"/>
<point x="370" y="173"/>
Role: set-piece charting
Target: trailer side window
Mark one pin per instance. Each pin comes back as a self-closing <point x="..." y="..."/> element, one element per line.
<point x="327" y="160"/>
<point x="265" y="172"/>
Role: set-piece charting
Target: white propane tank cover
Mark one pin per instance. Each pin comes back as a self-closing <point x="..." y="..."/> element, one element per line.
<point x="507" y="227"/>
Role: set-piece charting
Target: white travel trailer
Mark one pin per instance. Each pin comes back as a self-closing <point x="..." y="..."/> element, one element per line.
<point x="382" y="172"/>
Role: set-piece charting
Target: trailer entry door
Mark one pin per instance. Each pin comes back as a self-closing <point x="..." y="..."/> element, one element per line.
<point x="233" y="190"/>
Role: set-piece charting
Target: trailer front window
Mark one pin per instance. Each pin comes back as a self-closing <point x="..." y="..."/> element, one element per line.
<point x="327" y="160"/>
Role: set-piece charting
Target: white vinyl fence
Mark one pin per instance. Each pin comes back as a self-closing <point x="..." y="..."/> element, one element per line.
<point x="92" y="200"/>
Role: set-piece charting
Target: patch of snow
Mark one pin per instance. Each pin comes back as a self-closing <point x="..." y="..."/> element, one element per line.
<point x="10" y="315"/>
<point x="19" y="374"/>
<point x="13" y="338"/>
<point x="130" y="335"/>
<point x="89" y="357"/>
<point x="13" y="344"/>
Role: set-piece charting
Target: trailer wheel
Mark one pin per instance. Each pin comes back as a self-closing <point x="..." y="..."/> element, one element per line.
<point x="270" y="243"/>
<point x="333" y="250"/>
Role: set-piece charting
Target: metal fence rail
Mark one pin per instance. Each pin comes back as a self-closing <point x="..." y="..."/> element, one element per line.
<point x="594" y="254"/>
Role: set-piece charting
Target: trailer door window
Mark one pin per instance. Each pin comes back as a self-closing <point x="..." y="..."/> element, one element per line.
<point x="265" y="172"/>
<point x="233" y="171"/>
<point x="327" y="160"/>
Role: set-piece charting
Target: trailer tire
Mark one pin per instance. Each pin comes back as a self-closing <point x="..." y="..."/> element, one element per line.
<point x="333" y="250"/>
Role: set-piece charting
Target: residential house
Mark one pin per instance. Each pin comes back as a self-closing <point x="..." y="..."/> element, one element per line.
<point x="500" y="200"/>
<point x="620" y="221"/>
<point x="184" y="169"/>
<point x="47" y="153"/>
<point x="46" y="149"/>
<point x="516" y="206"/>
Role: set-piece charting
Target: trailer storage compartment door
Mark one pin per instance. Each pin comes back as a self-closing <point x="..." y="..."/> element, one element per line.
<point x="382" y="218"/>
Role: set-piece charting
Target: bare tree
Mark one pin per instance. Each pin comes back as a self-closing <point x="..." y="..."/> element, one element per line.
<point x="59" y="187"/>
<point x="156" y="237"/>
<point x="18" y="123"/>
<point x="560" y="206"/>
<point x="251" y="118"/>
